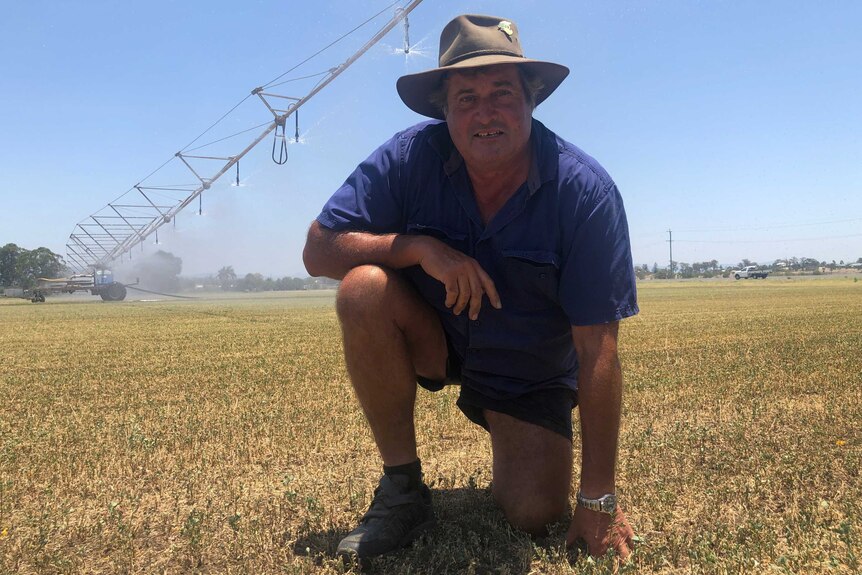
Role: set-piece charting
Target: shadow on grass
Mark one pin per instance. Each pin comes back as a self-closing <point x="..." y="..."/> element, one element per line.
<point x="317" y="544"/>
<point x="471" y="536"/>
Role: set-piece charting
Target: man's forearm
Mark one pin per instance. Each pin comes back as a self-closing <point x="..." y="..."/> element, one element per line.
<point x="599" y="396"/>
<point x="600" y="399"/>
<point x="333" y="254"/>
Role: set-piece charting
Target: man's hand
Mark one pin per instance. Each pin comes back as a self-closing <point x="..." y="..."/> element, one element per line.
<point x="465" y="280"/>
<point x="333" y="254"/>
<point x="601" y="531"/>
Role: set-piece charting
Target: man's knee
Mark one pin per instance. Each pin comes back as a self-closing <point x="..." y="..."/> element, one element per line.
<point x="532" y="471"/>
<point x="531" y="512"/>
<point x="363" y="291"/>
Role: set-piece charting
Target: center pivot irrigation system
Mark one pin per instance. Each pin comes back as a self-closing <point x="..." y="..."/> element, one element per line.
<point x="113" y="231"/>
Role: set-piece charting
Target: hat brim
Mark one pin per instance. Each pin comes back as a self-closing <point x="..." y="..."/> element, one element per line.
<point x="414" y="89"/>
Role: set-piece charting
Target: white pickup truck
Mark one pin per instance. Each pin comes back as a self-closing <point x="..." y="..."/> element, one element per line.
<point x="750" y="272"/>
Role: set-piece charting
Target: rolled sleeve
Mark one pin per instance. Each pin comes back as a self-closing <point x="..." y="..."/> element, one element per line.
<point x="597" y="278"/>
<point x="369" y="199"/>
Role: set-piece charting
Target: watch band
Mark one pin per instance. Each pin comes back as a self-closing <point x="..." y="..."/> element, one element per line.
<point x="605" y="504"/>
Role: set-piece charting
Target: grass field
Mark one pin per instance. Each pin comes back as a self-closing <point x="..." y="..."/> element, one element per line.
<point x="221" y="436"/>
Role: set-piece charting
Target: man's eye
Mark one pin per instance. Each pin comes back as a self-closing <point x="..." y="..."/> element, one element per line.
<point x="468" y="99"/>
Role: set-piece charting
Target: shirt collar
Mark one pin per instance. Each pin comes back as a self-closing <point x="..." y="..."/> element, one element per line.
<point x="546" y="161"/>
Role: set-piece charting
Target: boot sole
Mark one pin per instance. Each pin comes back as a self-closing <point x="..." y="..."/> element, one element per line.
<point x="352" y="555"/>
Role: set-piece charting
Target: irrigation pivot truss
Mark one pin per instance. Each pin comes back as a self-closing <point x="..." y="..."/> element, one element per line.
<point x="137" y="214"/>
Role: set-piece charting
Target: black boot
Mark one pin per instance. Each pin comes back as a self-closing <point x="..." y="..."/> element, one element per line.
<point x="398" y="515"/>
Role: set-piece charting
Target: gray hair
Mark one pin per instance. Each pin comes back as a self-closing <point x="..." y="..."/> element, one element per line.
<point x="531" y="82"/>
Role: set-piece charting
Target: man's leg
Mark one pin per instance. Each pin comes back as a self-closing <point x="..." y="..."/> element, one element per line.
<point x="390" y="336"/>
<point x="532" y="472"/>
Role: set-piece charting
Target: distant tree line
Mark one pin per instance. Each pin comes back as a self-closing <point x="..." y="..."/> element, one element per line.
<point x="713" y="269"/>
<point x="227" y="280"/>
<point x="21" y="267"/>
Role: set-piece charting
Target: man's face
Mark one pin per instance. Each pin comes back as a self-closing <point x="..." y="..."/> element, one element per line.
<point x="489" y="116"/>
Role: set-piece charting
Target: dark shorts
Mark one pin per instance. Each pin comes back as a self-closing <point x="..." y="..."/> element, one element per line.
<point x="550" y="407"/>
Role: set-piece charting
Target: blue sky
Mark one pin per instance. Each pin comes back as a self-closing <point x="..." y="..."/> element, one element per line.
<point x="736" y="124"/>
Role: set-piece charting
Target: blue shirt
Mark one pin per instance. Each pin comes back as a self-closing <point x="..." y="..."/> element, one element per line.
<point x="558" y="250"/>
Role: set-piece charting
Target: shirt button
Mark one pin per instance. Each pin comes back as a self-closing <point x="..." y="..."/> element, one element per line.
<point x="477" y="323"/>
<point x="543" y="276"/>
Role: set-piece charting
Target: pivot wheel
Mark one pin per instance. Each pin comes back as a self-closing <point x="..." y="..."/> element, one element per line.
<point x="115" y="292"/>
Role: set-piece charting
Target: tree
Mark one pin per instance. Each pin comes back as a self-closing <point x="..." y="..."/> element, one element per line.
<point x="21" y="268"/>
<point x="685" y="270"/>
<point x="253" y="282"/>
<point x="809" y="264"/>
<point x="226" y="277"/>
<point x="8" y="262"/>
<point x="288" y="283"/>
<point x="33" y="264"/>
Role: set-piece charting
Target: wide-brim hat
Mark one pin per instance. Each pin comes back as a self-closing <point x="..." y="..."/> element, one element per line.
<point x="471" y="41"/>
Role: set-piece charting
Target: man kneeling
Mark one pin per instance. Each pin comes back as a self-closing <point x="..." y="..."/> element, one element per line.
<point x="485" y="250"/>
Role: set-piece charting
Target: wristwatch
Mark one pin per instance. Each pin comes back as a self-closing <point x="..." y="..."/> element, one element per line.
<point x="605" y="504"/>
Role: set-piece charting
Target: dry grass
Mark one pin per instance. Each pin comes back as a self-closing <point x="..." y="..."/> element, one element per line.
<point x="220" y="436"/>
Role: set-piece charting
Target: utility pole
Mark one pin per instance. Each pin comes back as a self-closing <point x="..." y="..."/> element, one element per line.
<point x="670" y="244"/>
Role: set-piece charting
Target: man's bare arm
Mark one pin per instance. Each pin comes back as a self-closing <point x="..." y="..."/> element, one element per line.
<point x="599" y="398"/>
<point x="333" y="254"/>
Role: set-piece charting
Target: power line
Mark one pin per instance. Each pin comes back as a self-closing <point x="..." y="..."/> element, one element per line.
<point x="231" y="136"/>
<point x="110" y="236"/>
<point x="336" y="41"/>
<point x="225" y="115"/>
<point x="270" y="84"/>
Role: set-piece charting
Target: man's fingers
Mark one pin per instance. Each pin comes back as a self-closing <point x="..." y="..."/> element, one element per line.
<point x="451" y="293"/>
<point x="489" y="288"/>
<point x="598" y="547"/>
<point x="619" y="544"/>
<point x="623" y="550"/>
<point x="466" y="283"/>
<point x="622" y="540"/>
<point x="630" y="536"/>
<point x="624" y="529"/>
<point x="463" y="295"/>
<point x="476" y="295"/>
<point x="599" y="533"/>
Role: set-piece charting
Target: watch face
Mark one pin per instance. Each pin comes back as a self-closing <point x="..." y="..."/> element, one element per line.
<point x="609" y="503"/>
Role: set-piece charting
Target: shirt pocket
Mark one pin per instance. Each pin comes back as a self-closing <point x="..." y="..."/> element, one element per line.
<point x="532" y="279"/>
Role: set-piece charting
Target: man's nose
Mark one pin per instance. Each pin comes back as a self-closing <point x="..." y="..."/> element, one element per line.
<point x="486" y="109"/>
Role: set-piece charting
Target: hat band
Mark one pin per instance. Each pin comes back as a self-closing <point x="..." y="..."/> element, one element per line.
<point x="477" y="53"/>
